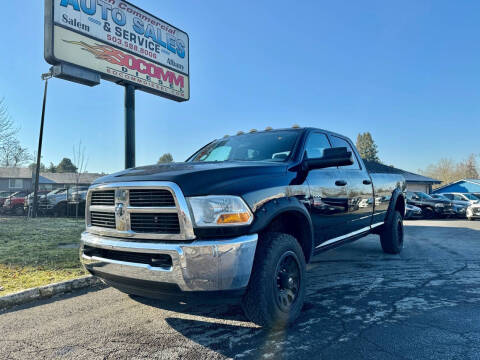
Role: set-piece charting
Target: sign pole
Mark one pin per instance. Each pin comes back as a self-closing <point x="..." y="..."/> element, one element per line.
<point x="40" y="140"/>
<point x="129" y="126"/>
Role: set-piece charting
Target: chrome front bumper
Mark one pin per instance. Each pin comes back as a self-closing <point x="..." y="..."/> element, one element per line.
<point x="206" y="265"/>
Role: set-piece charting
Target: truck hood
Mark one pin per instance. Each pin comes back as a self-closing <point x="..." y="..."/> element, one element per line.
<point x="207" y="178"/>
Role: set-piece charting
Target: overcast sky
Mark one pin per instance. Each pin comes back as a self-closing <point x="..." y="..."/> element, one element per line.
<point x="407" y="71"/>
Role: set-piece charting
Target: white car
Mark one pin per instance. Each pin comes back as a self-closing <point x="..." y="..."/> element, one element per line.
<point x="473" y="212"/>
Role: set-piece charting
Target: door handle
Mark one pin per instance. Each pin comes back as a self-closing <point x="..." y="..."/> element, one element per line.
<point x="340" y="183"/>
<point x="367" y="182"/>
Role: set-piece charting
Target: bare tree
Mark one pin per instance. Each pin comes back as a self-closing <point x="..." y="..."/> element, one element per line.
<point x="447" y="170"/>
<point x="468" y="168"/>
<point x="12" y="154"/>
<point x="80" y="162"/>
<point x="7" y="126"/>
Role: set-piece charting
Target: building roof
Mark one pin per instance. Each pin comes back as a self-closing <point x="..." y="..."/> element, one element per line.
<point x="15" y="173"/>
<point x="475" y="181"/>
<point x="48" y="178"/>
<point x="462" y="186"/>
<point x="375" y="167"/>
<point x="70" y="178"/>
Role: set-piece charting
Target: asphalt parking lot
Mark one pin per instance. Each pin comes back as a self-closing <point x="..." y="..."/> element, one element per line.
<point x="362" y="304"/>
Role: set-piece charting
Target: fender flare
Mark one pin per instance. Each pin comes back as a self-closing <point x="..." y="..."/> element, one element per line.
<point x="397" y="193"/>
<point x="271" y="210"/>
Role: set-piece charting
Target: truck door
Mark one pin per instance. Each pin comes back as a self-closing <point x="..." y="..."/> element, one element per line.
<point x="328" y="204"/>
<point x="361" y="199"/>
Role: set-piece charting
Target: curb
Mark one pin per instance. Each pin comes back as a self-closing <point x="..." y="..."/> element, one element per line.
<point x="47" y="291"/>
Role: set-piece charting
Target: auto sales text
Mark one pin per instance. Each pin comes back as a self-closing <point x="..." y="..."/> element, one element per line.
<point x="146" y="31"/>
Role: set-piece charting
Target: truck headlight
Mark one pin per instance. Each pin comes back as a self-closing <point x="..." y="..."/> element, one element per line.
<point x="220" y="211"/>
<point x="439" y="205"/>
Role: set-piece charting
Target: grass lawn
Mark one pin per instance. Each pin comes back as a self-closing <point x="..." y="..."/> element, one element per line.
<point x="36" y="252"/>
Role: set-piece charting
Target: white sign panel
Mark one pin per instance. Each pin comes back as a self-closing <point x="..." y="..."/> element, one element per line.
<point x="121" y="41"/>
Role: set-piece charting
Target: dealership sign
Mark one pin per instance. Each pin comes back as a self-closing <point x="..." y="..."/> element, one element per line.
<point x="121" y="42"/>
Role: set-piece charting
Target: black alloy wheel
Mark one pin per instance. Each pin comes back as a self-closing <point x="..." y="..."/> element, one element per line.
<point x="400" y="232"/>
<point x="287" y="280"/>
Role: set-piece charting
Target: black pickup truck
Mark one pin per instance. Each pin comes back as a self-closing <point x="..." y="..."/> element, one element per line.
<point x="240" y="219"/>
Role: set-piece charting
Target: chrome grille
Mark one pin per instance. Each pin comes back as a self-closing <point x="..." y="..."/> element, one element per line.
<point x="106" y="197"/>
<point x="139" y="210"/>
<point x="103" y="219"/>
<point x="151" y="198"/>
<point x="155" y="223"/>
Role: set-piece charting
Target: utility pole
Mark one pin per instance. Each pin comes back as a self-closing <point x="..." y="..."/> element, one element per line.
<point x="129" y="126"/>
<point x="45" y="77"/>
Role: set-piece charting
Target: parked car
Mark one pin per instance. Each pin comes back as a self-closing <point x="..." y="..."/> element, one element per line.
<point x="237" y="220"/>
<point x="29" y="199"/>
<point x="56" y="202"/>
<point x="76" y="200"/>
<point x="430" y="207"/>
<point x="14" y="203"/>
<point x="473" y="212"/>
<point x="413" y="212"/>
<point x="472" y="199"/>
<point x="459" y="206"/>
<point x="3" y="197"/>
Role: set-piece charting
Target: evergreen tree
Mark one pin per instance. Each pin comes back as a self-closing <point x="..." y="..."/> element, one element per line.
<point x="66" y="166"/>
<point x="165" y="158"/>
<point x="367" y="147"/>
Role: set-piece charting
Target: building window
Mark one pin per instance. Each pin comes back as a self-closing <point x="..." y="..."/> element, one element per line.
<point x="15" y="183"/>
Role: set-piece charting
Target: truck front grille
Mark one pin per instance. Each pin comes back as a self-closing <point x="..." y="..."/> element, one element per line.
<point x="103" y="219"/>
<point x="106" y="197"/>
<point x="151" y="198"/>
<point x="155" y="223"/>
<point x="139" y="210"/>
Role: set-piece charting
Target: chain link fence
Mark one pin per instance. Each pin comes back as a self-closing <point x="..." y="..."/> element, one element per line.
<point x="64" y="201"/>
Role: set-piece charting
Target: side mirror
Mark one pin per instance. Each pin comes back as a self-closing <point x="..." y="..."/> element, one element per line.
<point x="339" y="156"/>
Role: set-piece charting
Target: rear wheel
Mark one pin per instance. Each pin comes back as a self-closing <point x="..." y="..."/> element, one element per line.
<point x="276" y="291"/>
<point x="391" y="237"/>
<point x="18" y="211"/>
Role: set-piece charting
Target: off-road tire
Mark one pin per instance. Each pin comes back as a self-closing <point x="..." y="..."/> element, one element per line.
<point x="391" y="237"/>
<point x="260" y="302"/>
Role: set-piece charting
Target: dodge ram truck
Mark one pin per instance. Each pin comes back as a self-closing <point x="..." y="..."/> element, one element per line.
<point x="239" y="219"/>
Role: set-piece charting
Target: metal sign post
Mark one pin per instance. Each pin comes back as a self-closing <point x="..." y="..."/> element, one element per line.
<point x="45" y="77"/>
<point x="129" y="126"/>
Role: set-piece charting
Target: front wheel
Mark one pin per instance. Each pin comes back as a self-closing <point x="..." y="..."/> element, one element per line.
<point x="276" y="291"/>
<point x="428" y="213"/>
<point x="391" y="237"/>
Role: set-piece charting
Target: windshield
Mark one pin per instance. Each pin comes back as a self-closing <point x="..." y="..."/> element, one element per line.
<point x="470" y="197"/>
<point x="265" y="146"/>
<point x="423" y="195"/>
<point x="438" y="196"/>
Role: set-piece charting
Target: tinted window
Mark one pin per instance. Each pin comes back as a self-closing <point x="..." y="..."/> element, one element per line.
<point x="339" y="142"/>
<point x="316" y="143"/>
